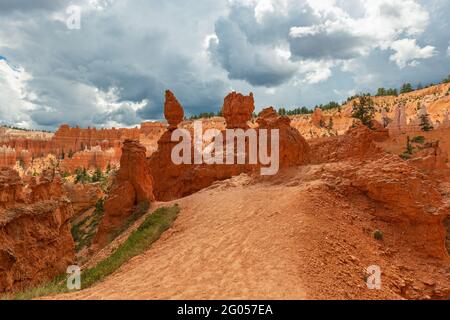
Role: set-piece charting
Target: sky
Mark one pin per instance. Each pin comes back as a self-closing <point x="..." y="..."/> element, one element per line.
<point x="113" y="69"/>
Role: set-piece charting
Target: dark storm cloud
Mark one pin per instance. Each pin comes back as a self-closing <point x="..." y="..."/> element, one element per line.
<point x="337" y="45"/>
<point x="248" y="62"/>
<point x="246" y="47"/>
<point x="136" y="53"/>
<point x="8" y="6"/>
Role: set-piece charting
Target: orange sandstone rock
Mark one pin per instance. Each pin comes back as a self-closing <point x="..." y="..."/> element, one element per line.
<point x="317" y="118"/>
<point x="83" y="196"/>
<point x="408" y="197"/>
<point x="238" y="109"/>
<point x="35" y="240"/>
<point x="173" y="111"/>
<point x="294" y="150"/>
<point x="132" y="185"/>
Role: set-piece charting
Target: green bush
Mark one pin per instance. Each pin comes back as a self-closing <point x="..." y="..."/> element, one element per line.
<point x="378" y="235"/>
<point x="418" y="139"/>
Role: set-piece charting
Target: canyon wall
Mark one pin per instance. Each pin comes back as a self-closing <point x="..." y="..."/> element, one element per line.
<point x="35" y="240"/>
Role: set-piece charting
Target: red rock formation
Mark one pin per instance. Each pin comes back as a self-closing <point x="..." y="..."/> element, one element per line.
<point x="83" y="196"/>
<point x="359" y="142"/>
<point x="408" y="198"/>
<point x="318" y="118"/>
<point x="173" y="111"/>
<point x="294" y="150"/>
<point x="91" y="159"/>
<point x="64" y="143"/>
<point x="11" y="188"/>
<point x="152" y="128"/>
<point x="35" y="240"/>
<point x="68" y="139"/>
<point x="237" y="110"/>
<point x="133" y="185"/>
<point x="398" y="192"/>
<point x="7" y="157"/>
<point x="175" y="181"/>
<point x="430" y="158"/>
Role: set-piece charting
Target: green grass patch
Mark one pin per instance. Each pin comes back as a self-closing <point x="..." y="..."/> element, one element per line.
<point x="137" y="243"/>
<point x="140" y="210"/>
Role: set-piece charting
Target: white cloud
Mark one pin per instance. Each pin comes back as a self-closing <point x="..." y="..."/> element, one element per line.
<point x="382" y="23"/>
<point x="14" y="103"/>
<point x="314" y="72"/>
<point x="407" y="52"/>
<point x="448" y="51"/>
<point x="298" y="32"/>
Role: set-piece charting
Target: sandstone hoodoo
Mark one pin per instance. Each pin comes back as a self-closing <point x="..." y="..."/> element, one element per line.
<point x="174" y="181"/>
<point x="132" y="187"/>
<point x="173" y="111"/>
<point x="237" y="110"/>
<point x="293" y="148"/>
<point x="35" y="240"/>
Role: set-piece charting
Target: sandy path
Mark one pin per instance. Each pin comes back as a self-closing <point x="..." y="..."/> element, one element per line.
<point x="238" y="243"/>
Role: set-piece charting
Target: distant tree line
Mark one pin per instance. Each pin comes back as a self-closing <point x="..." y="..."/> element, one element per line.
<point x="406" y="88"/>
<point x="381" y="92"/>
<point x="23" y="129"/>
<point x="294" y="112"/>
<point x="205" y="115"/>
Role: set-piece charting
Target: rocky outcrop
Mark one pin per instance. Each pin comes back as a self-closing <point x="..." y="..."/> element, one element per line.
<point x="294" y="150"/>
<point x="237" y="110"/>
<point x="7" y="157"/>
<point x="174" y="181"/>
<point x="83" y="196"/>
<point x="132" y="186"/>
<point x="11" y="188"/>
<point x="94" y="158"/>
<point x="67" y="139"/>
<point x="408" y="197"/>
<point x="358" y="142"/>
<point x="35" y="240"/>
<point x="430" y="158"/>
<point x="317" y="118"/>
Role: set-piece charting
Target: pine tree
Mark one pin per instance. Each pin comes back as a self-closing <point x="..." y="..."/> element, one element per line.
<point x="425" y="123"/>
<point x="409" y="146"/>
<point x="330" y="124"/>
<point x="407" y="87"/>
<point x="364" y="110"/>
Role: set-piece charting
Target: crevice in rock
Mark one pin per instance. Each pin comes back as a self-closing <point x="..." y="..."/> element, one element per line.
<point x="447" y="239"/>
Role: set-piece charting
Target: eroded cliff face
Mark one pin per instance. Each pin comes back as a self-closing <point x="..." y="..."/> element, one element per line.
<point x="398" y="192"/>
<point x="35" y="240"/>
<point x="358" y="142"/>
<point x="132" y="186"/>
<point x="83" y="196"/>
